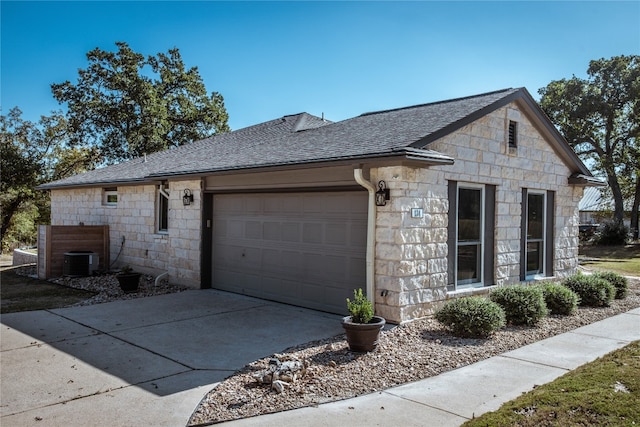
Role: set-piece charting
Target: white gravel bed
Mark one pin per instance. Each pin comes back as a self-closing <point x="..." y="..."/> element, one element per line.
<point x="106" y="286"/>
<point x="405" y="353"/>
<point x="108" y="289"/>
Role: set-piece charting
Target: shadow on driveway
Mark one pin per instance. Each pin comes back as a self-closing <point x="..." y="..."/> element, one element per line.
<point x="163" y="344"/>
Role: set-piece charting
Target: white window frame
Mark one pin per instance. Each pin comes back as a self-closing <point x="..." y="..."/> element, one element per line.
<point x="481" y="243"/>
<point x="163" y="194"/>
<point x="107" y="193"/>
<point x="542" y="241"/>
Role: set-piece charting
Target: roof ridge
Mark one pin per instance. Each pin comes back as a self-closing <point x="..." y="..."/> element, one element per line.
<point x="370" y="113"/>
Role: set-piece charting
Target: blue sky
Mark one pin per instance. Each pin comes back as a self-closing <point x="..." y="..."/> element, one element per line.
<point x="269" y="59"/>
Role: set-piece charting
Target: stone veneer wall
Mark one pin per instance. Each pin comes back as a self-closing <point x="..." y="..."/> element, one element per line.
<point x="134" y="217"/>
<point x="411" y="253"/>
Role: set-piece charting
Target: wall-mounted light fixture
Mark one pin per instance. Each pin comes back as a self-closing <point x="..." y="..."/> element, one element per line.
<point x="383" y="194"/>
<point x="187" y="199"/>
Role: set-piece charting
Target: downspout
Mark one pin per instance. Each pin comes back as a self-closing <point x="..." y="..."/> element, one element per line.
<point x="371" y="231"/>
<point x="165" y="194"/>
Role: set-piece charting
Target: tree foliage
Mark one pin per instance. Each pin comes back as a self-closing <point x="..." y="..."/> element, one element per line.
<point x="128" y="105"/>
<point x="600" y="117"/>
<point x="31" y="154"/>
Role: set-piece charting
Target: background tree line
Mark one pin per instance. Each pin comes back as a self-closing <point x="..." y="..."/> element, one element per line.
<point x="124" y="105"/>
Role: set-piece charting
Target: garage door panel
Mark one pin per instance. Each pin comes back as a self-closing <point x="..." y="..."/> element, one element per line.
<point x="253" y="230"/>
<point x="306" y="249"/>
<point x="336" y="234"/>
<point x="291" y="232"/>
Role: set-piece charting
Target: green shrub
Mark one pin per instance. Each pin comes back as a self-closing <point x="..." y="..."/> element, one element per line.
<point x="471" y="317"/>
<point x="619" y="282"/>
<point x="360" y="309"/>
<point x="559" y="299"/>
<point x="593" y="291"/>
<point x="523" y="305"/>
<point x="611" y="232"/>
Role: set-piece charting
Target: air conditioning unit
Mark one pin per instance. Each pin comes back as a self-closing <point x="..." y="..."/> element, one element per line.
<point x="80" y="263"/>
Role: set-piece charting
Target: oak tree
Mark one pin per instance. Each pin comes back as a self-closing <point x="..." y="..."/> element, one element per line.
<point x="32" y="154"/>
<point x="129" y="105"/>
<point x="600" y="117"/>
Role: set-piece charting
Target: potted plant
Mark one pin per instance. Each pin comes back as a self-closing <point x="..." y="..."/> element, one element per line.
<point x="128" y="279"/>
<point x="362" y="327"/>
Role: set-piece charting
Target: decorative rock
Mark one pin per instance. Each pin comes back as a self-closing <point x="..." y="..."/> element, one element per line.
<point x="279" y="386"/>
<point x="284" y="372"/>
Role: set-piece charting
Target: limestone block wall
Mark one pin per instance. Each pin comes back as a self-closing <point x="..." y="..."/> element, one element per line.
<point x="411" y="253"/>
<point x="134" y="218"/>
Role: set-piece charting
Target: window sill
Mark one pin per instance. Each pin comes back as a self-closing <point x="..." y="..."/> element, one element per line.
<point x="538" y="278"/>
<point x="161" y="237"/>
<point x="470" y="291"/>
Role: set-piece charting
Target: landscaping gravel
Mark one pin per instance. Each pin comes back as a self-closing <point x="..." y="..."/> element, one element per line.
<point x="108" y="289"/>
<point x="405" y="353"/>
<point x="106" y="286"/>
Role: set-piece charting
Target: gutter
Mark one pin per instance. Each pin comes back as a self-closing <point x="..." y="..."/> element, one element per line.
<point x="371" y="231"/>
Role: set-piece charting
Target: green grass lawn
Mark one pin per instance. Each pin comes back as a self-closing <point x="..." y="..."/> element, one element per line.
<point x="624" y="260"/>
<point x="605" y="392"/>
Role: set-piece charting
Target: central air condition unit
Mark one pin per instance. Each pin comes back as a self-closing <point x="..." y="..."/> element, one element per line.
<point x="80" y="263"/>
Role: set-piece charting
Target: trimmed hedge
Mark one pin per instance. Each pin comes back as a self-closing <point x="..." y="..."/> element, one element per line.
<point x="523" y="305"/>
<point x="559" y="299"/>
<point x="471" y="317"/>
<point x="593" y="291"/>
<point x="619" y="282"/>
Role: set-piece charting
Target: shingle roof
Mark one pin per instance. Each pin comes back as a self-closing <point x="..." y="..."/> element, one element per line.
<point x="303" y="139"/>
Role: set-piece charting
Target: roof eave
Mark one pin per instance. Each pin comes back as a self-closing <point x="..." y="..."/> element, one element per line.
<point x="430" y="158"/>
<point x="96" y="184"/>
<point x="586" y="180"/>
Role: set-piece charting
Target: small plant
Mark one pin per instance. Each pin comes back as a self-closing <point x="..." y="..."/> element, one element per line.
<point x="126" y="269"/>
<point x="559" y="299"/>
<point x="360" y="309"/>
<point x="593" y="291"/>
<point x="523" y="305"/>
<point x="619" y="282"/>
<point x="471" y="317"/>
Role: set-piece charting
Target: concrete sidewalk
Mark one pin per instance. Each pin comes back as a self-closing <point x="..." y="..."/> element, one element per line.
<point x="456" y="396"/>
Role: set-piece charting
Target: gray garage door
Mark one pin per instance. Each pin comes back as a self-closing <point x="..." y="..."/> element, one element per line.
<point x="306" y="249"/>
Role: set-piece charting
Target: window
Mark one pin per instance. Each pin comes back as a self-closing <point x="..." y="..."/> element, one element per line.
<point x="471" y="235"/>
<point x="537" y="234"/>
<point x="513" y="134"/>
<point x="470" y="231"/>
<point x="110" y="196"/>
<point x="163" y="208"/>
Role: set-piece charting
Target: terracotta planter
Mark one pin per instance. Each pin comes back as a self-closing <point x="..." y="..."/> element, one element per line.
<point x="363" y="337"/>
<point x="128" y="281"/>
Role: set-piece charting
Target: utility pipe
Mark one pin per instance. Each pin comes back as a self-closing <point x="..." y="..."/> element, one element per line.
<point x="160" y="277"/>
<point x="371" y="231"/>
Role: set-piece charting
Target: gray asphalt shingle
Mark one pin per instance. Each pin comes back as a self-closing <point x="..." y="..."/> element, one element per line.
<point x="303" y="138"/>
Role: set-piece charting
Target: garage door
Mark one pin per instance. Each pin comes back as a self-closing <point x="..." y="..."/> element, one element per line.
<point x="306" y="249"/>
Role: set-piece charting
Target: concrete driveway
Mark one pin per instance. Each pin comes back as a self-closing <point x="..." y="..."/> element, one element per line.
<point x="139" y="362"/>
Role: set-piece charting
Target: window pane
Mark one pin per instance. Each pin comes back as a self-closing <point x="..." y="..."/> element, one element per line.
<point x="469" y="215"/>
<point x="468" y="264"/>
<point x="535" y="216"/>
<point x="112" y="198"/>
<point x="534" y="257"/>
<point x="163" y="214"/>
